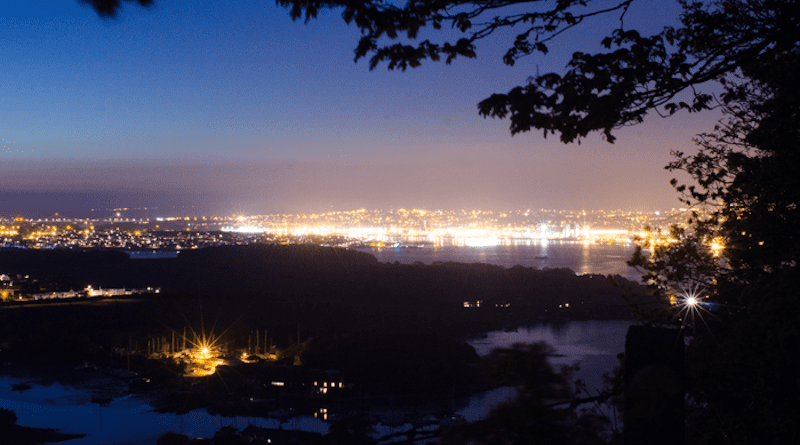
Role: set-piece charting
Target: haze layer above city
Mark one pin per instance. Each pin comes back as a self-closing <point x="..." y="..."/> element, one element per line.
<point x="226" y="109"/>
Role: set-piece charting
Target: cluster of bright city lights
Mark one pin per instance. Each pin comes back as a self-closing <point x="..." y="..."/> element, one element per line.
<point x="377" y="228"/>
<point x="469" y="237"/>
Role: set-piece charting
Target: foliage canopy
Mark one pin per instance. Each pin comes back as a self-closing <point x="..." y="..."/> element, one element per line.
<point x="110" y="8"/>
<point x="745" y="191"/>
<point x="596" y="92"/>
<point x="743" y="359"/>
<point x="637" y="74"/>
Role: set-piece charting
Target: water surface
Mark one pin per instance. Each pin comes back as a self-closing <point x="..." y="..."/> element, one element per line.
<point x="582" y="258"/>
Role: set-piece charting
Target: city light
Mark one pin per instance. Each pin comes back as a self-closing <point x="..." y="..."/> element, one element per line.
<point x="202" y="355"/>
<point x="692" y="305"/>
<point x="358" y="228"/>
<point x="716" y="246"/>
<point x="243" y="229"/>
<point x="481" y="242"/>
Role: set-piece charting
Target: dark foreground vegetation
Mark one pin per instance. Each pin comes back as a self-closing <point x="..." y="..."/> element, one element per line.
<point x="12" y="433"/>
<point x="321" y="287"/>
<point x="289" y="293"/>
<point x="285" y="320"/>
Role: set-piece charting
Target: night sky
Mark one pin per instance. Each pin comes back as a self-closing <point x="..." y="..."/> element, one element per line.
<point x="230" y="107"/>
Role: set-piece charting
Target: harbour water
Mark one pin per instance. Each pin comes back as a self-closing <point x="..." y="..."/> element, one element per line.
<point x="125" y="420"/>
<point x="593" y="345"/>
<point x="583" y="258"/>
<point x="129" y="419"/>
<point x="151" y="254"/>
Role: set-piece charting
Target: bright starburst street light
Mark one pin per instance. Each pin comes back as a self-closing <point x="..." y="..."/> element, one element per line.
<point x="203" y="352"/>
<point x="691" y="305"/>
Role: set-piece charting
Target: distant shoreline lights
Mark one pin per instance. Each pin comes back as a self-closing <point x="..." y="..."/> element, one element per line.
<point x="244" y="229"/>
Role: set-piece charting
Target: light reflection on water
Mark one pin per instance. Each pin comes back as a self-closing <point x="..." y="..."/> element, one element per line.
<point x="582" y="258"/>
<point x="128" y="420"/>
<point x="480" y="405"/>
<point x="151" y="254"/>
<point x="593" y="345"/>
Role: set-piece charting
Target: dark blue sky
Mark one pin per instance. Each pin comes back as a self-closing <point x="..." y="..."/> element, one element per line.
<point x="232" y="107"/>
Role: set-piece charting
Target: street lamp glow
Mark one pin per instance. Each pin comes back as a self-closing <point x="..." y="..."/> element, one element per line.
<point x="691" y="306"/>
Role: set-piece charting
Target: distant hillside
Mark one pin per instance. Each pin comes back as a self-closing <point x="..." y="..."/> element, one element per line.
<point x="324" y="287"/>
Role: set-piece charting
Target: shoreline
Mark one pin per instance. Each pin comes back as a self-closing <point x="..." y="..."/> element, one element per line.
<point x="23" y="435"/>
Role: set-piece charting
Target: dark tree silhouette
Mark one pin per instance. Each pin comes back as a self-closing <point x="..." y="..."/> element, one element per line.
<point x="742" y="360"/>
<point x="171" y="438"/>
<point x="7" y="418"/>
<point x="597" y="92"/>
<point x="544" y="410"/>
<point x="110" y="8"/>
<point x="739" y="254"/>
<point x="350" y="430"/>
